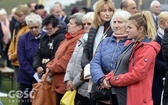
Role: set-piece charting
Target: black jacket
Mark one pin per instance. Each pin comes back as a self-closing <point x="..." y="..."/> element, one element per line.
<point x="48" y="46"/>
<point x="165" y="56"/>
<point x="88" y="49"/>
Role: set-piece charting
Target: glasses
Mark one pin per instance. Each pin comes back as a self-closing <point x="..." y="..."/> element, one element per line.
<point x="87" y="24"/>
<point x="48" y="29"/>
<point x="36" y="27"/>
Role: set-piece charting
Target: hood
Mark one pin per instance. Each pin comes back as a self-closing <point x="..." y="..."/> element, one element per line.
<point x="154" y="44"/>
<point x="62" y="30"/>
<point x="144" y="42"/>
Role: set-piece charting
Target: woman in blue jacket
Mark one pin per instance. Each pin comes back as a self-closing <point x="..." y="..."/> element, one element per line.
<point x="110" y="48"/>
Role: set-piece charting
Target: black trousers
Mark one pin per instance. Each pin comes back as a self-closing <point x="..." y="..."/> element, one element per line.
<point x="25" y="89"/>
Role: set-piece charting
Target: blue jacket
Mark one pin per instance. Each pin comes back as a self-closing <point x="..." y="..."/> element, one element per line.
<point x="27" y="47"/>
<point x="105" y="58"/>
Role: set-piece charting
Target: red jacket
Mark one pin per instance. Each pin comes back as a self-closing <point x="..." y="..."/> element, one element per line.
<point x="140" y="74"/>
<point x="62" y="56"/>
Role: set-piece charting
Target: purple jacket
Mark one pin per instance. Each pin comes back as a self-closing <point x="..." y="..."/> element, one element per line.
<point x="27" y="47"/>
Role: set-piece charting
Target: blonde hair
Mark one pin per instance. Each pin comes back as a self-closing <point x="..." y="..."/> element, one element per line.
<point x="97" y="21"/>
<point x="22" y="10"/>
<point x="162" y="18"/>
<point x="145" y="19"/>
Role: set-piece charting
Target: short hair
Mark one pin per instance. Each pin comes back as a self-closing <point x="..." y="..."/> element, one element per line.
<point x="58" y="3"/>
<point x="162" y="18"/>
<point x="123" y="4"/>
<point x="29" y="4"/>
<point x="89" y="15"/>
<point x="99" y="6"/>
<point x="39" y="6"/>
<point x="22" y="10"/>
<point x="50" y="19"/>
<point x="122" y="14"/>
<point x="152" y="3"/>
<point x="33" y="19"/>
<point x="78" y="18"/>
<point x="145" y="19"/>
<point x="3" y="11"/>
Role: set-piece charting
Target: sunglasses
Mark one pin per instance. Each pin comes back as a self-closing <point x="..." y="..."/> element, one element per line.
<point x="33" y="27"/>
<point x="87" y="24"/>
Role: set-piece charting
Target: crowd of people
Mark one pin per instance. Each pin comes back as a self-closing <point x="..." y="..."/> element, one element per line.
<point x="123" y="50"/>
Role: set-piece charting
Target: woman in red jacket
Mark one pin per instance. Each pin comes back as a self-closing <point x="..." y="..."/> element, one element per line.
<point x="133" y="75"/>
<point x="58" y="65"/>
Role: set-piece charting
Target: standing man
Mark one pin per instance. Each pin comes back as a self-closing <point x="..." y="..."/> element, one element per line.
<point x="129" y="5"/>
<point x="59" y="13"/>
<point x="155" y="10"/>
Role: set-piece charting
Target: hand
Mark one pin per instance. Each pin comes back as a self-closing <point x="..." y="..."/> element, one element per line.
<point x="40" y="71"/>
<point x="101" y="86"/>
<point x="69" y="84"/>
<point x="106" y="83"/>
<point x="10" y="56"/>
<point x="73" y="87"/>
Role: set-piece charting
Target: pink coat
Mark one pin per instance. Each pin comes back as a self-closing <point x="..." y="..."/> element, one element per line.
<point x="140" y="74"/>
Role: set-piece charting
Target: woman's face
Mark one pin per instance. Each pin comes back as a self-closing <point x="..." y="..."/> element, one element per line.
<point x="87" y="25"/>
<point x="106" y="13"/>
<point x="21" y="18"/>
<point x="165" y="25"/>
<point x="132" y="30"/>
<point x="34" y="29"/>
<point x="72" y="26"/>
<point x="119" y="26"/>
<point x="50" y="30"/>
<point x="3" y="17"/>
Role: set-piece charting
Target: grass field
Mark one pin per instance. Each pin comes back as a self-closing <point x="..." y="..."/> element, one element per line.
<point x="6" y="89"/>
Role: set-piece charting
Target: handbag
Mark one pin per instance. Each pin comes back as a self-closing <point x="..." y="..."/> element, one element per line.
<point x="103" y="94"/>
<point x="98" y="95"/>
<point x="68" y="98"/>
<point x="43" y="93"/>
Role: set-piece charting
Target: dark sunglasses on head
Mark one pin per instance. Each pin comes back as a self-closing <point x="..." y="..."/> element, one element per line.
<point x="33" y="27"/>
<point x="87" y="24"/>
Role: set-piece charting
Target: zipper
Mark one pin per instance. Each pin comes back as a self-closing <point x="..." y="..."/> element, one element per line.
<point x="114" y="54"/>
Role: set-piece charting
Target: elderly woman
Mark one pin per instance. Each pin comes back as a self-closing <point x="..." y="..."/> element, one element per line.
<point x="133" y="75"/>
<point x="73" y="71"/>
<point x="59" y="64"/>
<point x="160" y="69"/>
<point x="49" y="43"/>
<point x="109" y="49"/>
<point x="27" y="46"/>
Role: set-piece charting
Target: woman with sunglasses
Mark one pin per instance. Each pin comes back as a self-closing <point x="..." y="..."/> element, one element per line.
<point x="27" y="46"/>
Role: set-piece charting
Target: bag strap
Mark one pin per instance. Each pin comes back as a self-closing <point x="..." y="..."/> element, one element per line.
<point x="104" y="35"/>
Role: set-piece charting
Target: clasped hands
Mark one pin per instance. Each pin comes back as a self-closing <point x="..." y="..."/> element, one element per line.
<point x="106" y="81"/>
<point x="70" y="86"/>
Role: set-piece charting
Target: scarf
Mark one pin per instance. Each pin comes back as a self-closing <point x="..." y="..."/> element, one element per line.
<point x="68" y="36"/>
<point x="6" y="31"/>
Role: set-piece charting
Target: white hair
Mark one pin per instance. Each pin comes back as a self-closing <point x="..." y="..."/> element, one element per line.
<point x="94" y="6"/>
<point x="122" y="14"/>
<point x="3" y="11"/>
<point x="33" y="19"/>
<point x="153" y="2"/>
<point x="89" y="15"/>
